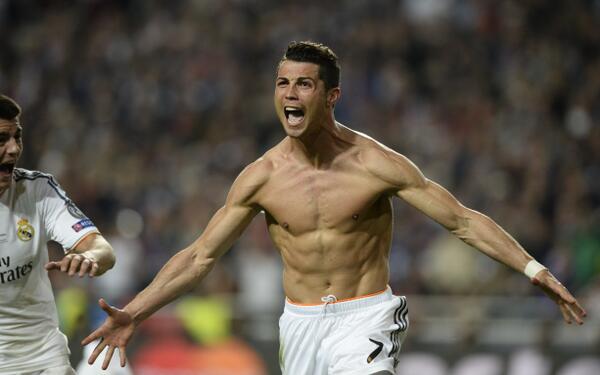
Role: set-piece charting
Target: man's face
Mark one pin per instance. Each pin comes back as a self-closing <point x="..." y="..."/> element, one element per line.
<point x="300" y="97"/>
<point x="11" y="146"/>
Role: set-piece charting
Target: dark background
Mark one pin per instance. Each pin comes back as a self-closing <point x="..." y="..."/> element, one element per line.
<point x="145" y="111"/>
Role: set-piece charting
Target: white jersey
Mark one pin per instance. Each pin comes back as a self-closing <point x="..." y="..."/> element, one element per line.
<point x="33" y="211"/>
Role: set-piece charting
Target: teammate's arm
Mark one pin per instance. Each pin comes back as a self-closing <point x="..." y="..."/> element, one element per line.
<point x="408" y="183"/>
<point x="184" y="270"/>
<point x="92" y="256"/>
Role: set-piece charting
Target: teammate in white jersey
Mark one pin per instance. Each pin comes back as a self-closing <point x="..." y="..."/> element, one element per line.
<point x="34" y="210"/>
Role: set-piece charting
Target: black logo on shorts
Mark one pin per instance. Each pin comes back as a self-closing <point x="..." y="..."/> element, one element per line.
<point x="375" y="352"/>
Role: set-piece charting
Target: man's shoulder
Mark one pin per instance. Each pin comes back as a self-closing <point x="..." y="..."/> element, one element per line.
<point x="265" y="164"/>
<point x="21" y="174"/>
<point x="37" y="183"/>
<point x="256" y="173"/>
<point x="373" y="152"/>
<point x="250" y="182"/>
<point x="36" y="180"/>
<point x="365" y="145"/>
<point x="384" y="162"/>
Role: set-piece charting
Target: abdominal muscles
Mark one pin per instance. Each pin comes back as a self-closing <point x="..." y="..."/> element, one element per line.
<point x="324" y="261"/>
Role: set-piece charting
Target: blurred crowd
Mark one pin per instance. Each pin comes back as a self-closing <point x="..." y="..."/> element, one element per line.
<point x="145" y="111"/>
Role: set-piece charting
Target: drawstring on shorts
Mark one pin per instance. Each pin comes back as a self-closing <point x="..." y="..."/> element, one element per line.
<point x="329" y="299"/>
<point x="326" y="301"/>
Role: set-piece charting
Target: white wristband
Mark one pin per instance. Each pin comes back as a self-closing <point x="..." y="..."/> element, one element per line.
<point x="532" y="268"/>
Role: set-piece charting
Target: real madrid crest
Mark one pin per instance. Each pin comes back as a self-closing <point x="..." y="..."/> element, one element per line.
<point x="25" y="231"/>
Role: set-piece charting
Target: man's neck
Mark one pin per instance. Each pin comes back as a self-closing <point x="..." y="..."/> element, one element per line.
<point x="320" y="147"/>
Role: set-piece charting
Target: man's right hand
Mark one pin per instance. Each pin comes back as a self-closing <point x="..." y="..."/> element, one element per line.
<point x="115" y="332"/>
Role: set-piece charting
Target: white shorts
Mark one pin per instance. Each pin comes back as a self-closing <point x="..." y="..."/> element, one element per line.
<point x="356" y="336"/>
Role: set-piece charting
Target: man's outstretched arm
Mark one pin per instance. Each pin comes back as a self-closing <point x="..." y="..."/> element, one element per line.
<point x="485" y="235"/>
<point x="474" y="228"/>
<point x="180" y="274"/>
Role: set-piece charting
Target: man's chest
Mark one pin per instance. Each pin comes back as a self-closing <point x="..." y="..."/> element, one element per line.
<point x="308" y="200"/>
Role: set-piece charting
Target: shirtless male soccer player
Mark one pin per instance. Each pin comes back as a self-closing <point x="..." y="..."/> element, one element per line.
<point x="34" y="210"/>
<point x="326" y="193"/>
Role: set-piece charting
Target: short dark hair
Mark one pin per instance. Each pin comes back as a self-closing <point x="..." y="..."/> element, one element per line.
<point x="316" y="53"/>
<point x="9" y="109"/>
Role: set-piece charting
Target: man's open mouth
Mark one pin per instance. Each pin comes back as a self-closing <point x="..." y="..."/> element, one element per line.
<point x="7" y="168"/>
<point x="293" y="115"/>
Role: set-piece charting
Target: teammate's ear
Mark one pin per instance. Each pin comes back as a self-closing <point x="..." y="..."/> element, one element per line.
<point x="332" y="96"/>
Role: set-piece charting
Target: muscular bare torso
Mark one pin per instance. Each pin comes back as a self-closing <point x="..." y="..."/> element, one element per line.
<point x="332" y="224"/>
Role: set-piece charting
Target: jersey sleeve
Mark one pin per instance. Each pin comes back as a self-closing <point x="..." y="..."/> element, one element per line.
<point x="63" y="220"/>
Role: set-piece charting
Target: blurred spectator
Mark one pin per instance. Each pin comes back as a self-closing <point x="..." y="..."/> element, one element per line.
<point x="158" y="106"/>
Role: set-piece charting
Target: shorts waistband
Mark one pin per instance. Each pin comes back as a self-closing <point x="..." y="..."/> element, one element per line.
<point x="339" y="306"/>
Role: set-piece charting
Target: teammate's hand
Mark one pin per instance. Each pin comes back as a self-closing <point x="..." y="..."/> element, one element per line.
<point x="72" y="264"/>
<point x="569" y="307"/>
<point x="115" y="332"/>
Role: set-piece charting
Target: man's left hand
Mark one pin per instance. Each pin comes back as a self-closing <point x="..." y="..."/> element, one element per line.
<point x="569" y="307"/>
